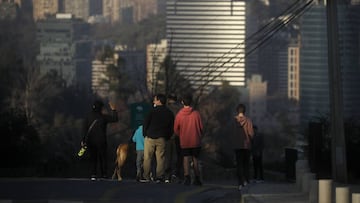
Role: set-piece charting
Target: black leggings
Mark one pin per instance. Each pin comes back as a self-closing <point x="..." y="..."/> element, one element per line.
<point x="258" y="167"/>
<point x="242" y="165"/>
<point x="99" y="159"/>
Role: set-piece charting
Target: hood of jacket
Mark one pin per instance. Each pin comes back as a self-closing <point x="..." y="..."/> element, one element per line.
<point x="186" y="111"/>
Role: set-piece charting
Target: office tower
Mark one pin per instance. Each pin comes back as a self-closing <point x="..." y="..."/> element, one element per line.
<point x="314" y="80"/>
<point x="252" y="27"/>
<point x="207" y="40"/>
<point x="98" y="75"/>
<point x="42" y="8"/>
<point x="96" y="7"/>
<point x="134" y="66"/>
<point x="65" y="48"/>
<point x="257" y="98"/>
<point x="155" y="55"/>
<point x="129" y="11"/>
<point x="111" y="10"/>
<point x="293" y="76"/>
<point x="79" y="8"/>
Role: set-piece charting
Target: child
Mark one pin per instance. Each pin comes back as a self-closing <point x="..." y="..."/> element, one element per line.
<point x="138" y="138"/>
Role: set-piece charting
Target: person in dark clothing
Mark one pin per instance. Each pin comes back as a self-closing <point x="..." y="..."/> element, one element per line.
<point x="94" y="138"/>
<point x="257" y="147"/>
<point x="243" y="132"/>
<point x="158" y="128"/>
<point x="174" y="159"/>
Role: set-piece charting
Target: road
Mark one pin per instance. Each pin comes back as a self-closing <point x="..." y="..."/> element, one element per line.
<point x="85" y="191"/>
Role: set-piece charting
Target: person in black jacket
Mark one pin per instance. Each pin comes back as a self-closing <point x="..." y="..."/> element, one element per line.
<point x="94" y="138"/>
<point x="158" y="128"/>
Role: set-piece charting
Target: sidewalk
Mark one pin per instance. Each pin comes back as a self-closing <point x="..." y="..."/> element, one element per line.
<point x="273" y="192"/>
<point x="276" y="190"/>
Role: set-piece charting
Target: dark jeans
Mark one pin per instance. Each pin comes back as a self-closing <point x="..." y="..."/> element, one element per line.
<point x="242" y="165"/>
<point x="98" y="159"/>
<point x="258" y="167"/>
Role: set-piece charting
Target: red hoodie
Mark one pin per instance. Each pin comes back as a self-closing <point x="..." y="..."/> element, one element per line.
<point x="188" y="127"/>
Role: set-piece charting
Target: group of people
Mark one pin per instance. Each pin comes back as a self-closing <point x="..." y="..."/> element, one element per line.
<point x="170" y="127"/>
<point x="162" y="131"/>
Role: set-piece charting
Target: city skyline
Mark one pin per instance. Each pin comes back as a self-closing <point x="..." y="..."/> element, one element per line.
<point x="185" y="37"/>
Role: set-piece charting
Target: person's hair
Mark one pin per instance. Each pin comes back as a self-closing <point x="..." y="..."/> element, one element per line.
<point x="172" y="97"/>
<point x="97" y="105"/>
<point x="162" y="98"/>
<point x="187" y="99"/>
<point x="240" y="108"/>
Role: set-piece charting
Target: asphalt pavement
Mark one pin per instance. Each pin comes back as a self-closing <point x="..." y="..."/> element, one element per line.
<point x="72" y="190"/>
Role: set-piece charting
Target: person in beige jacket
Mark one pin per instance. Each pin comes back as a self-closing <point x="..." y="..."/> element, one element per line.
<point x="243" y="132"/>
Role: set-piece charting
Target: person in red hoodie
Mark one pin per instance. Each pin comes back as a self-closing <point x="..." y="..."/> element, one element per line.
<point x="188" y="126"/>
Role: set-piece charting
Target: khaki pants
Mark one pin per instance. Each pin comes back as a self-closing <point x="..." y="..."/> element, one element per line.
<point x="156" y="146"/>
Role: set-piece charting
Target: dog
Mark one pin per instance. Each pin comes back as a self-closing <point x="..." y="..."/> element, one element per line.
<point x="121" y="155"/>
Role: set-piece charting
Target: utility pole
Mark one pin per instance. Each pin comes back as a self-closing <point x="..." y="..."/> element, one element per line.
<point x="339" y="165"/>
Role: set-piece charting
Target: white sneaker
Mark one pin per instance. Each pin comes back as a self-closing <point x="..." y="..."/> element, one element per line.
<point x="240" y="187"/>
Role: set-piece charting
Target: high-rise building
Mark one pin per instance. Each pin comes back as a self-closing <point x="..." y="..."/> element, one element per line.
<point x="129" y="11"/>
<point x="65" y="48"/>
<point x="257" y="98"/>
<point x="314" y="79"/>
<point x="111" y="10"/>
<point x="134" y="65"/>
<point x="207" y="40"/>
<point x="79" y="8"/>
<point x="96" y="7"/>
<point x="42" y="8"/>
<point x="98" y="75"/>
<point x="293" y="76"/>
<point x="155" y="55"/>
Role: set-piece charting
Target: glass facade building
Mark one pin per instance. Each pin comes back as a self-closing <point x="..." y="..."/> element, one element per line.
<point x="314" y="79"/>
<point x="206" y="40"/>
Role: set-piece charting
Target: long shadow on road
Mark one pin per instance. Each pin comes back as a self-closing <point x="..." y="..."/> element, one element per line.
<point x="84" y="190"/>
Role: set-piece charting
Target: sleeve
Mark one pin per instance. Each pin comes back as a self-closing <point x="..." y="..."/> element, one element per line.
<point x="201" y="127"/>
<point x="85" y="128"/>
<point x="112" y="117"/>
<point x="176" y="125"/>
<point x="134" y="136"/>
<point x="171" y="127"/>
<point x="250" y="128"/>
<point x="146" y="123"/>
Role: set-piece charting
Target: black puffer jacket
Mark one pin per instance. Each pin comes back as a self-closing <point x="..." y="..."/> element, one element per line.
<point x="97" y="134"/>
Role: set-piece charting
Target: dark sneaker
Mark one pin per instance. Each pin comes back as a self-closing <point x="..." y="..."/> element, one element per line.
<point x="104" y="177"/>
<point x="173" y="178"/>
<point x="197" y="182"/>
<point x="159" y="180"/>
<point x="187" y="180"/>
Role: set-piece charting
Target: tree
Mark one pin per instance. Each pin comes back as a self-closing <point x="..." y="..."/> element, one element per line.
<point x="34" y="93"/>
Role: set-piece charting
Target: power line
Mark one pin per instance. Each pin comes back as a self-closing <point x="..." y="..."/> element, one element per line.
<point x="267" y="35"/>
